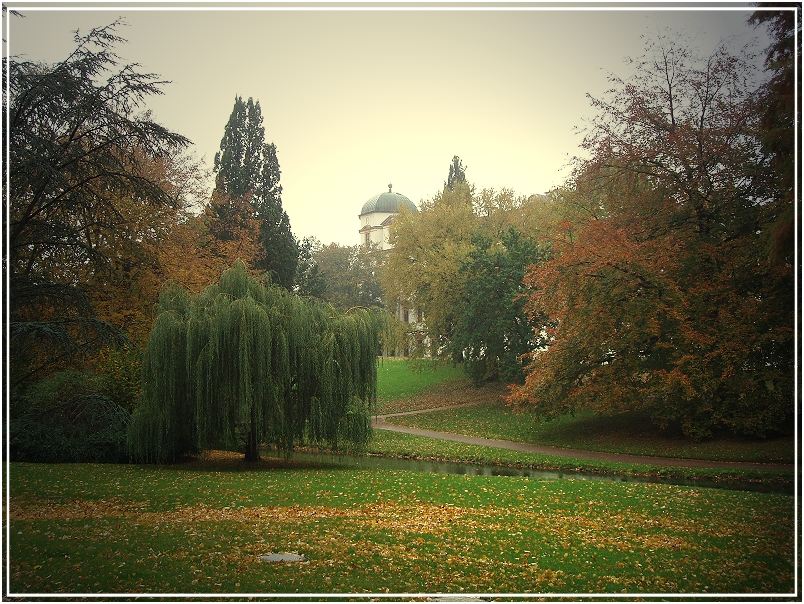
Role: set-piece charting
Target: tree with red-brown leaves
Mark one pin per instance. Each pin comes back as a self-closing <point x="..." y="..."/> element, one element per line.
<point x="662" y="295"/>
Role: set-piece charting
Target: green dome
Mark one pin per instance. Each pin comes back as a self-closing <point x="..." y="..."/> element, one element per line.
<point x="388" y="202"/>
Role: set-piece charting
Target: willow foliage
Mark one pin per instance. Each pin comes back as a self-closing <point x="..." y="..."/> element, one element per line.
<point x="245" y="363"/>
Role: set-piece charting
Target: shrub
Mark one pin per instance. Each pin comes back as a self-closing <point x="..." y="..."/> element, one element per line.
<point x="120" y="375"/>
<point x="68" y="417"/>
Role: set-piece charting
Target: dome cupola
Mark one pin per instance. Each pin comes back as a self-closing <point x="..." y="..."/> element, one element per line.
<point x="389" y="202"/>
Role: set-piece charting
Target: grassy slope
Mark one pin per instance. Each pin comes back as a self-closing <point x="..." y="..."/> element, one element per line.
<point x="625" y="433"/>
<point x="109" y="528"/>
<point x="400" y="383"/>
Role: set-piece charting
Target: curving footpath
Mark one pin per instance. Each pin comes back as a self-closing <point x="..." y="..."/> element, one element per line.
<point x="380" y="423"/>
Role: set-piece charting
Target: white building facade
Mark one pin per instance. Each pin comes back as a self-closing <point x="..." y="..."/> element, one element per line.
<point x="377" y="215"/>
<point x="376" y="219"/>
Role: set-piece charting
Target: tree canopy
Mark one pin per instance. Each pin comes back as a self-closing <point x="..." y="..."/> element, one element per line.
<point x="781" y="110"/>
<point x="457" y="173"/>
<point x="421" y="270"/>
<point x="247" y="168"/>
<point x="491" y="330"/>
<point x="244" y="363"/>
<point x="432" y="267"/>
<point x="662" y="295"/>
<point x="309" y="279"/>
<point x="350" y="274"/>
<point x="85" y="160"/>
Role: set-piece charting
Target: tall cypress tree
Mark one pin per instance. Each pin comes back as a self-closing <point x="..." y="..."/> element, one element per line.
<point x="457" y="173"/>
<point x="281" y="248"/>
<point x="245" y="165"/>
<point x="230" y="177"/>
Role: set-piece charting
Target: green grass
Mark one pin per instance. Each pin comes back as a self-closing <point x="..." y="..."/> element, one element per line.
<point x="200" y="527"/>
<point x="398" y="380"/>
<point x="625" y="433"/>
<point x="193" y="528"/>
<point x="406" y="446"/>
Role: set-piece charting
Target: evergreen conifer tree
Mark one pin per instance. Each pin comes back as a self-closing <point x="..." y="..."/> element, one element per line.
<point x="457" y="173"/>
<point x="309" y="278"/>
<point x="245" y="165"/>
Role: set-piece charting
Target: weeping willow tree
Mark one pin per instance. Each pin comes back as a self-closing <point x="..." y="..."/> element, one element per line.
<point x="245" y="363"/>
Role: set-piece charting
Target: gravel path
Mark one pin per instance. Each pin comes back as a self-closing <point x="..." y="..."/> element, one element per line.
<point x="380" y="422"/>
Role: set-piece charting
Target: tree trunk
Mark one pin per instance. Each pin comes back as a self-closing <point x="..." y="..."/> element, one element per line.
<point x="252" y="450"/>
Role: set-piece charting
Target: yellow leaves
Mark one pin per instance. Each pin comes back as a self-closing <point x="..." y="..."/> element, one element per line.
<point x="544" y="577"/>
<point x="613" y="532"/>
<point x="391" y="517"/>
<point x="654" y="542"/>
<point x="540" y="538"/>
<point x="428" y="249"/>
<point x="41" y="509"/>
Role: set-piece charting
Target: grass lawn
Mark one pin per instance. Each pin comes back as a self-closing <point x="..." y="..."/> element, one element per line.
<point x="625" y="433"/>
<point x="201" y="528"/>
<point x="399" y="380"/>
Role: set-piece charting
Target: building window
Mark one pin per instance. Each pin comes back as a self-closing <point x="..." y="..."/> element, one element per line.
<point x="368" y="237"/>
<point x="405" y="315"/>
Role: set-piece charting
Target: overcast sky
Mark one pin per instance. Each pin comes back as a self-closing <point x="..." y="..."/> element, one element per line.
<point x="354" y="100"/>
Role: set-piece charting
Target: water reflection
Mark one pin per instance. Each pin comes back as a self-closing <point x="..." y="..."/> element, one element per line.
<point x="439" y="467"/>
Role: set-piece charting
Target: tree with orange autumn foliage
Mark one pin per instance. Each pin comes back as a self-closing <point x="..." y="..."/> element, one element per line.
<point x="195" y="254"/>
<point x="124" y="293"/>
<point x="183" y="248"/>
<point x="662" y="297"/>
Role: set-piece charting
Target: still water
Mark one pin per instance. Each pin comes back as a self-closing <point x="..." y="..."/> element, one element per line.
<point x="438" y="467"/>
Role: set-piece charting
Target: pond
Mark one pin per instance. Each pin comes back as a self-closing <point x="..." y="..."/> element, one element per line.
<point x="321" y="459"/>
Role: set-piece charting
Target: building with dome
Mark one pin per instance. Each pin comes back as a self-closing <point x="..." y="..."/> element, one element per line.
<point x="377" y="215"/>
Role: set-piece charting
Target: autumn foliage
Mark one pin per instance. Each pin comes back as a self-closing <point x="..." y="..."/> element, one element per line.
<point x="663" y="295"/>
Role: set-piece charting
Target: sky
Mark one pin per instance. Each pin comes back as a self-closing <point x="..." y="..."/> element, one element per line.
<point x="357" y="99"/>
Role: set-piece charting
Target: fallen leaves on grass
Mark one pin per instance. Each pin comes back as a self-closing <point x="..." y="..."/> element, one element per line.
<point x="79" y="509"/>
<point x="412" y="545"/>
<point x="612" y="531"/>
<point x="386" y="516"/>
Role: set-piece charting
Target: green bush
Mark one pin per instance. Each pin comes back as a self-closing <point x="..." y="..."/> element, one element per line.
<point x="120" y="374"/>
<point x="69" y="416"/>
